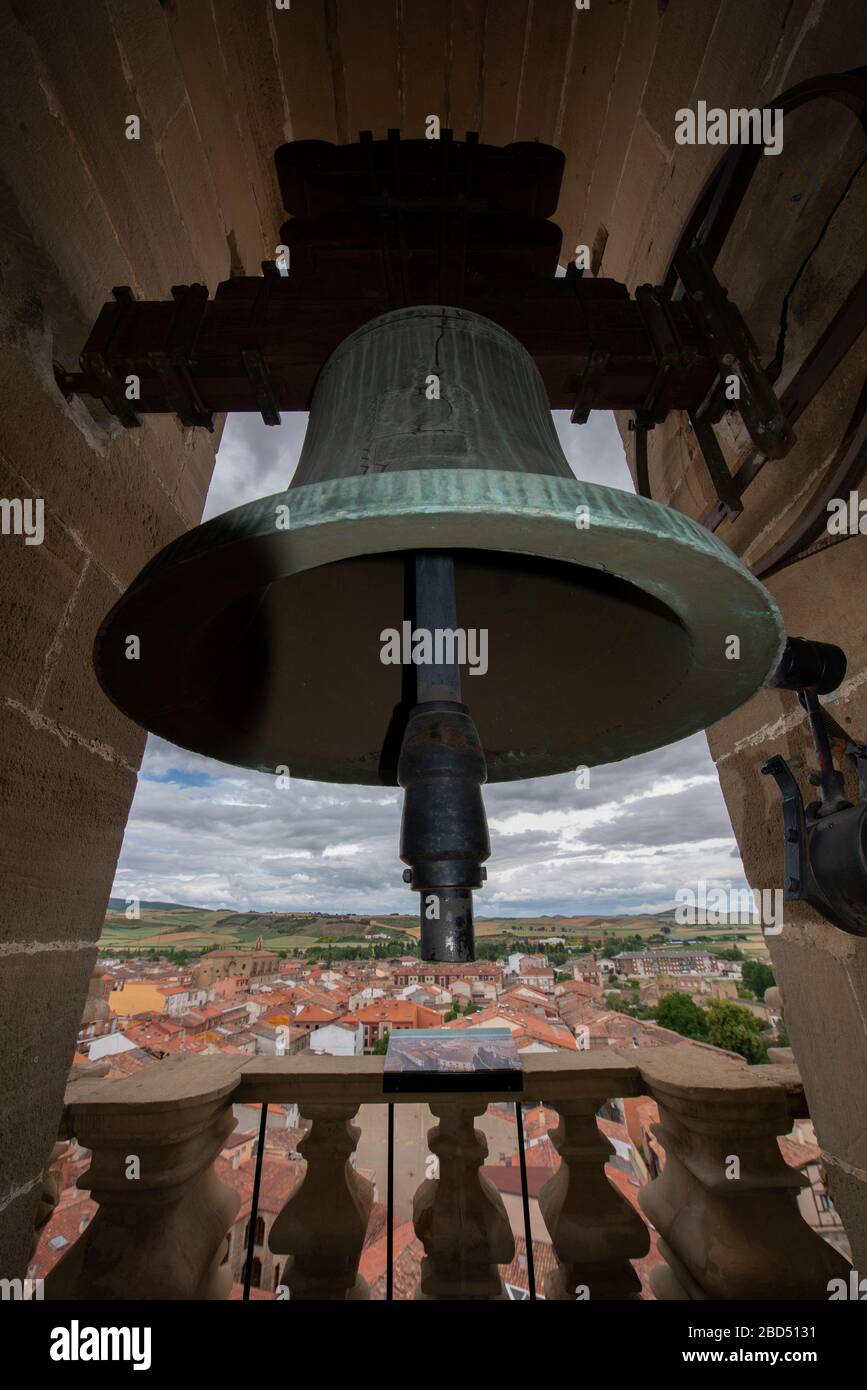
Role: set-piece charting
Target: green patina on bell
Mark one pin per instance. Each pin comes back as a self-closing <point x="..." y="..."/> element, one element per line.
<point x="608" y="617"/>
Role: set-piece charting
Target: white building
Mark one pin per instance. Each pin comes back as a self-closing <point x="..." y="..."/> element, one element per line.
<point x="180" y="999"/>
<point x="363" y="997"/>
<point x="270" y="1039"/>
<point x="109" y="1045"/>
<point x="338" y="1040"/>
<point x="429" y="996"/>
<point x="539" y="977"/>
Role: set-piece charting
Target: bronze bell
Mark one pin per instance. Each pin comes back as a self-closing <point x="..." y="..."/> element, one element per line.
<point x="432" y="485"/>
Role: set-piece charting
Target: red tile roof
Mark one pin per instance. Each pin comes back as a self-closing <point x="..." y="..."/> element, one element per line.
<point x="398" y="1011"/>
<point x="280" y="1177"/>
<point x="544" y="1263"/>
<point x="507" y="1178"/>
<point x="798" y="1154"/>
<point x="65" y="1223"/>
<point x="312" y="1013"/>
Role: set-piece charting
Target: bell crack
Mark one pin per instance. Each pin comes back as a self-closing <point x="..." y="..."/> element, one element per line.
<point x="439" y="339"/>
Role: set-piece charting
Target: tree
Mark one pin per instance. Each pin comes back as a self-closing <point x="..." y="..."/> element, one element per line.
<point x="471" y="1008"/>
<point x="682" y="1015"/>
<point x="757" y="976"/>
<point x="381" y="1046"/>
<point x="737" y="1029"/>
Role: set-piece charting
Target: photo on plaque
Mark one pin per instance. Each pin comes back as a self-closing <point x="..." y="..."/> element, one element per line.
<point x="472" y="1059"/>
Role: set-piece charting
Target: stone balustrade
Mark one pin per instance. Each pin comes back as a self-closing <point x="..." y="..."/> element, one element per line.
<point x="724" y="1204"/>
<point x="324" y="1254"/>
<point x="459" y="1217"/>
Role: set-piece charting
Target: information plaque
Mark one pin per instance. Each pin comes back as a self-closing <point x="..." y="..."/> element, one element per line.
<point x="452" y="1059"/>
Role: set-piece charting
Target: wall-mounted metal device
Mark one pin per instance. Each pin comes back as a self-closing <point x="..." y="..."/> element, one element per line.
<point x="825" y="847"/>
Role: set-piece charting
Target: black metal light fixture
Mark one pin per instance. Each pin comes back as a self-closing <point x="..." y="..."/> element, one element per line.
<point x="825" y="843"/>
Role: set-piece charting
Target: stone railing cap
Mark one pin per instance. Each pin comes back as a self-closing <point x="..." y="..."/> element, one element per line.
<point x="186" y="1081"/>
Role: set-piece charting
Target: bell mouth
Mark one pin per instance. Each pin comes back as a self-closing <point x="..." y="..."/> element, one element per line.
<point x="263" y="647"/>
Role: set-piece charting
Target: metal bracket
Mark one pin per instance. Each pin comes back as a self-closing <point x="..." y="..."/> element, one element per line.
<point x="724" y="483"/>
<point x="640" y="428"/>
<point x="100" y="359"/>
<point x="172" y="363"/>
<point x="667" y="346"/>
<point x="266" y="396"/>
<point x="597" y="361"/>
<point x="735" y="351"/>
<point x="825" y="844"/>
<point x="794" y="827"/>
<point x="736" y="355"/>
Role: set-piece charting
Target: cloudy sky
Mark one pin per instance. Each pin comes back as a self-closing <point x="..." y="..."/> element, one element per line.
<point x="203" y="833"/>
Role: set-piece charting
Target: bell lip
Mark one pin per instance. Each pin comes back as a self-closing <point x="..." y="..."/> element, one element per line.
<point x="240" y="552"/>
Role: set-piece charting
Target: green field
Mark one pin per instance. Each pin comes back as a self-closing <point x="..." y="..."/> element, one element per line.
<point x="195" y="928"/>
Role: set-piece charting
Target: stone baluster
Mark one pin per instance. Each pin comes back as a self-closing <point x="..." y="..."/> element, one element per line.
<point x="322" y="1226"/>
<point x="161" y="1231"/>
<point x="459" y="1217"/>
<point x="725" y="1202"/>
<point x="593" y="1229"/>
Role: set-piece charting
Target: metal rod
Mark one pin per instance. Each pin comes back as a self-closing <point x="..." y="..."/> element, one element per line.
<point x="254" y="1206"/>
<point x="642" y="477"/>
<point x="444" y="836"/>
<point x="525" y="1201"/>
<point x="723" y="482"/>
<point x="830" y="780"/>
<point x="436" y="611"/>
<point x="389" y="1209"/>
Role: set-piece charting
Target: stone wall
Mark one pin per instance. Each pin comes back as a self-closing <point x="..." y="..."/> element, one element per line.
<point x="798" y="240"/>
<point x="83" y="209"/>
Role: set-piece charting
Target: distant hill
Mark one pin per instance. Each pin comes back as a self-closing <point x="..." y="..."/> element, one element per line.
<point x="165" y="925"/>
<point x="120" y="905"/>
<point x="185" y="927"/>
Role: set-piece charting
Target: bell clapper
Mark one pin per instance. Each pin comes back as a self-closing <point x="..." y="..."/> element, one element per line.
<point x="444" y="832"/>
